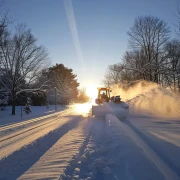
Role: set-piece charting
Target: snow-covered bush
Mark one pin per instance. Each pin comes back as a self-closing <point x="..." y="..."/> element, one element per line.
<point x="27" y="109"/>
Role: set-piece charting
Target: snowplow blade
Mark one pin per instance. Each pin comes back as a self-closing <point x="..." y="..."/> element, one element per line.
<point x="120" y="110"/>
<point x="99" y="110"/>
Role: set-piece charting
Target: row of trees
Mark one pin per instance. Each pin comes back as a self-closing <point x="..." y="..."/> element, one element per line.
<point x="24" y="69"/>
<point x="152" y="55"/>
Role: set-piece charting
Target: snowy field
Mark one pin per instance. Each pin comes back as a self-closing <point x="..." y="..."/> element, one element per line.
<point x="72" y="144"/>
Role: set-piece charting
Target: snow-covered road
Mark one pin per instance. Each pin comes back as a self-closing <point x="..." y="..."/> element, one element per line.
<point x="73" y="145"/>
<point x="15" y="136"/>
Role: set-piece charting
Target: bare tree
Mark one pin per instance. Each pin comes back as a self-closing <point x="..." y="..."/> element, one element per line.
<point x="112" y="75"/>
<point x="134" y="61"/>
<point x="22" y="61"/>
<point x="117" y="74"/>
<point x="172" y="73"/>
<point x="150" y="34"/>
<point x="177" y="25"/>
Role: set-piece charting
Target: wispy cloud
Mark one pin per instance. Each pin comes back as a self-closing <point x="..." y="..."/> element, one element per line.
<point x="72" y="24"/>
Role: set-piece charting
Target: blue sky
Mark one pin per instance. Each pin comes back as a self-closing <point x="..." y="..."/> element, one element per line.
<point x="101" y="27"/>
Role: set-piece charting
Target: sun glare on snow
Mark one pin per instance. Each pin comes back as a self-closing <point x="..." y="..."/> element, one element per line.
<point x="83" y="108"/>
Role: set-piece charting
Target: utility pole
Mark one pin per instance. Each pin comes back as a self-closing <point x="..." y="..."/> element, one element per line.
<point x="21" y="111"/>
<point x="55" y="100"/>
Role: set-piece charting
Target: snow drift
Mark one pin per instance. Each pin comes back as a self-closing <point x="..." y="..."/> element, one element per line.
<point x="148" y="98"/>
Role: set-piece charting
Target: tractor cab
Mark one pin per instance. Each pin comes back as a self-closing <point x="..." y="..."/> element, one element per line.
<point x="103" y="95"/>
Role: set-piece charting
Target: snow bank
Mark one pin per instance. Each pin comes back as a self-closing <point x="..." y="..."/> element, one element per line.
<point x="147" y="98"/>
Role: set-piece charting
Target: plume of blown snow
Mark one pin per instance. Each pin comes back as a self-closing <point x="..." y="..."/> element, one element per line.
<point x="148" y="98"/>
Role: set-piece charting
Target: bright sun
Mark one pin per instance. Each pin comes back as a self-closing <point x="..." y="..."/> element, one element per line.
<point x="91" y="91"/>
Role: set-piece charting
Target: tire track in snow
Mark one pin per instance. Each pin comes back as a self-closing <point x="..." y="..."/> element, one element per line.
<point x="26" y="138"/>
<point x="26" y="135"/>
<point x="20" y="161"/>
<point x="23" y="131"/>
<point x="27" y="122"/>
<point x="53" y="163"/>
<point x="90" y="162"/>
<point x="161" y="165"/>
<point x="76" y="159"/>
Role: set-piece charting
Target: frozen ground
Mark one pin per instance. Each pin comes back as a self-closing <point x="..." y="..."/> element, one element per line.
<point x="71" y="144"/>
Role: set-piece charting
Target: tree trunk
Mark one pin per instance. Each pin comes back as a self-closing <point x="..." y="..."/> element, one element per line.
<point x="174" y="79"/>
<point x="156" y="77"/>
<point x="150" y="75"/>
<point x="13" y="103"/>
<point x="13" y="107"/>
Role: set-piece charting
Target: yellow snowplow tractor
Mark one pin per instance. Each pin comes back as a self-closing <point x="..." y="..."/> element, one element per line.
<point x="106" y="104"/>
<point x="104" y="96"/>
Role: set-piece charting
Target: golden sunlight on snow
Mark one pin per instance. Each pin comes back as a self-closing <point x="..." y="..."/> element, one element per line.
<point x="83" y="108"/>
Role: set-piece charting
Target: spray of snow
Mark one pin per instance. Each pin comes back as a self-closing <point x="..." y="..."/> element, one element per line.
<point x="149" y="98"/>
